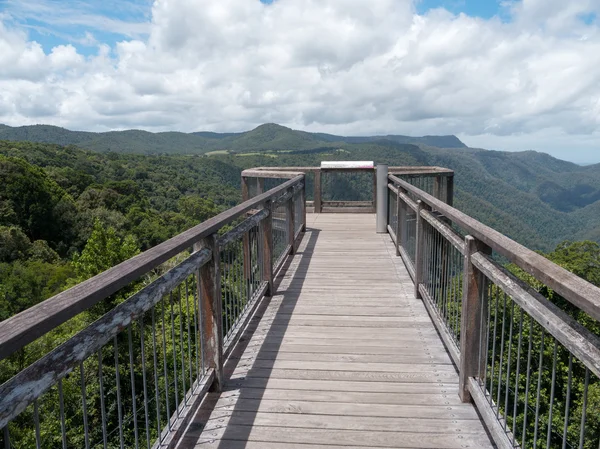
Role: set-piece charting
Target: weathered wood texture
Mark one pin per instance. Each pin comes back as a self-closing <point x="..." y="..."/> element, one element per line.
<point x="473" y="311"/>
<point x="211" y="305"/>
<point x="343" y="355"/>
<point x="266" y="232"/>
<point x="317" y="193"/>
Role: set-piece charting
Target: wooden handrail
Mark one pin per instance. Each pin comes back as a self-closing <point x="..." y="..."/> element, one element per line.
<point x="268" y="172"/>
<point x="25" y="327"/>
<point x="574" y="289"/>
<point x="19" y="392"/>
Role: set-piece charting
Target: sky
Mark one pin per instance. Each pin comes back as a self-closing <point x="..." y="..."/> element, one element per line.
<point x="500" y="74"/>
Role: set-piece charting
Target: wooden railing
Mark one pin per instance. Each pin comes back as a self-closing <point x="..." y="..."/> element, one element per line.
<point x="530" y="367"/>
<point x="134" y="377"/>
<point x="436" y="180"/>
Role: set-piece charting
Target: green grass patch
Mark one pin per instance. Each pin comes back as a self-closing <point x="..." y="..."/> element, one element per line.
<point x="257" y="154"/>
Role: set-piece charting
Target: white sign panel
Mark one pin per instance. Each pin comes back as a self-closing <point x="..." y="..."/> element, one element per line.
<point x="347" y="164"/>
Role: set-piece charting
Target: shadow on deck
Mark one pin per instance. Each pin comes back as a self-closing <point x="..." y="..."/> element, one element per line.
<point x="343" y="355"/>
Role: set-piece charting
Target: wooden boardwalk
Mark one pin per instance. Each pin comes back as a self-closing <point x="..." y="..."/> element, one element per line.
<point x="342" y="356"/>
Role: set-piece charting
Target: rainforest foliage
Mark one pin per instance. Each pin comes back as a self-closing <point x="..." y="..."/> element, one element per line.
<point x="67" y="214"/>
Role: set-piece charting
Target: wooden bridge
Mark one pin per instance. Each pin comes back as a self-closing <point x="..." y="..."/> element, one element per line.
<point x="342" y="355"/>
<point x="296" y="329"/>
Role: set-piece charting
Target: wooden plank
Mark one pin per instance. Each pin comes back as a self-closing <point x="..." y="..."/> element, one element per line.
<point x="326" y="385"/>
<point x="318" y="346"/>
<point x="243" y="227"/>
<point x="424" y="375"/>
<point x="352" y="397"/>
<point x="347" y="409"/>
<point x="384" y="424"/>
<point x="285" y="435"/>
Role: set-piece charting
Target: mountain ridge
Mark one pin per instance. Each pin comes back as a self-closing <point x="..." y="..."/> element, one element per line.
<point x="265" y="137"/>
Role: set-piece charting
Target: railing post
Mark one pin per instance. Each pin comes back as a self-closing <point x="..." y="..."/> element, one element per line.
<point x="245" y="190"/>
<point x="473" y="309"/>
<point x="382" y="202"/>
<point x="266" y="231"/>
<point x="419" y="249"/>
<point x="450" y="190"/>
<point x="246" y="238"/>
<point x="303" y="204"/>
<point x="291" y="226"/>
<point x="401" y="221"/>
<point x="437" y="187"/>
<point x="317" y="192"/>
<point x="211" y="307"/>
<point x="375" y="191"/>
<point x="398" y="218"/>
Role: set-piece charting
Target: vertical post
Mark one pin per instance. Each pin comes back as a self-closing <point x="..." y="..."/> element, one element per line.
<point x="303" y="203"/>
<point x="245" y="190"/>
<point x="450" y="189"/>
<point x="382" y="201"/>
<point x="401" y="220"/>
<point x="289" y="219"/>
<point x="473" y="309"/>
<point x="398" y="218"/>
<point x="246" y="237"/>
<point x="375" y="191"/>
<point x="266" y="231"/>
<point x="260" y="186"/>
<point x="212" y="310"/>
<point x="317" y="192"/>
<point x="437" y="187"/>
<point x="419" y="250"/>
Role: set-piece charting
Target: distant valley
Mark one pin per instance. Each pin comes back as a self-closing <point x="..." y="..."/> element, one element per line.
<point x="532" y="197"/>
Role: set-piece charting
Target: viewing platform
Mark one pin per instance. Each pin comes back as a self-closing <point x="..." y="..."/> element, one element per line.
<point x="335" y="307"/>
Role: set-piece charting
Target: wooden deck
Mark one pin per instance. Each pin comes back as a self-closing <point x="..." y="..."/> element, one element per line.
<point x="342" y="356"/>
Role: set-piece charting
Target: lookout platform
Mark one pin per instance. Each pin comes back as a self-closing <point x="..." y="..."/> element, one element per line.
<point x="342" y="355"/>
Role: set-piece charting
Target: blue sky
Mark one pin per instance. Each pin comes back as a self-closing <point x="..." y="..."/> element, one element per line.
<point x="475" y="8"/>
<point x="360" y="67"/>
<point x="85" y="24"/>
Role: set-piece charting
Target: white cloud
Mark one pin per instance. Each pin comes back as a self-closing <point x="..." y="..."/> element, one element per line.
<point x="344" y="66"/>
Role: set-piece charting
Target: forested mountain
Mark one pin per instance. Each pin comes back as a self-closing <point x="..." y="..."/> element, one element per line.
<point x="532" y="197"/>
<point x="265" y="137"/>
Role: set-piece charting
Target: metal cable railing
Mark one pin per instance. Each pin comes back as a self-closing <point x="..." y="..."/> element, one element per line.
<point x="532" y="370"/>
